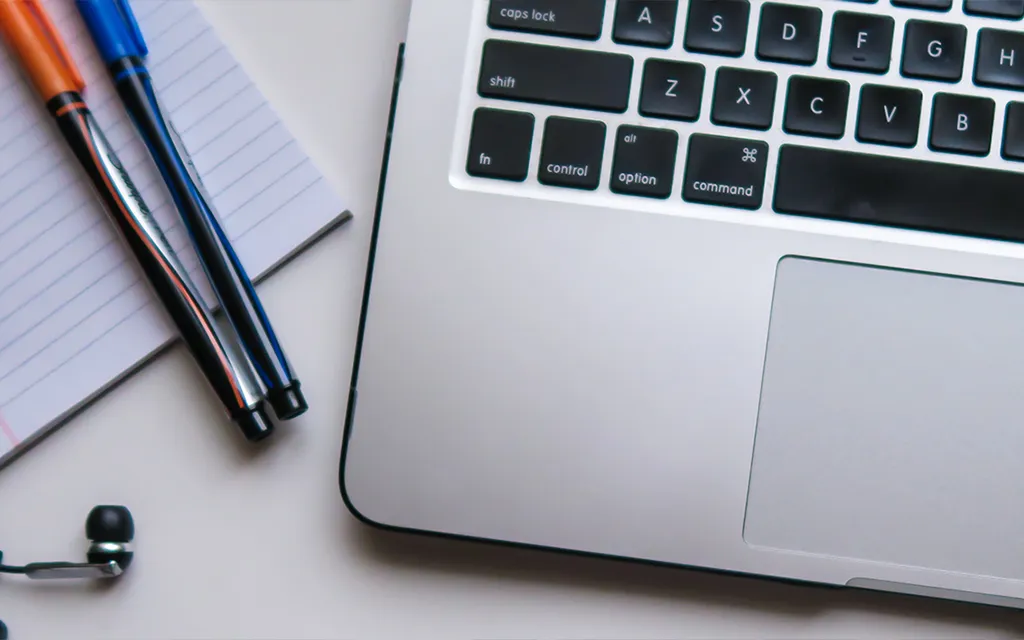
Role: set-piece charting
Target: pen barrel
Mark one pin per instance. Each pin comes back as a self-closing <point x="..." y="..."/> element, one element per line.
<point x="231" y="284"/>
<point x="160" y="265"/>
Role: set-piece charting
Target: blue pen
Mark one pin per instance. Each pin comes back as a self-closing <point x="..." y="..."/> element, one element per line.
<point x="123" y="49"/>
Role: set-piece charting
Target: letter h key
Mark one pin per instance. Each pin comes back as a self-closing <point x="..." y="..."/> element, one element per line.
<point x="1000" y="59"/>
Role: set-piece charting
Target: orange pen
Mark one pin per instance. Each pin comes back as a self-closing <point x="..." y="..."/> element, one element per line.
<point x="30" y="33"/>
<point x="33" y="38"/>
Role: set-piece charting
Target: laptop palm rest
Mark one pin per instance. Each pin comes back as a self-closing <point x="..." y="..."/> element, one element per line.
<point x="891" y="425"/>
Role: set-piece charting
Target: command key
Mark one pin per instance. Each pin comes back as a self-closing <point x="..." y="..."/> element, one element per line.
<point x="725" y="171"/>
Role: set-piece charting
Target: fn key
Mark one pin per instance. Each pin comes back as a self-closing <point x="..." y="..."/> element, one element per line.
<point x="499" y="146"/>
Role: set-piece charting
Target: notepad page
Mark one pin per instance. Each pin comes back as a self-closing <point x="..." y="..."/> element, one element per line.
<point x="75" y="313"/>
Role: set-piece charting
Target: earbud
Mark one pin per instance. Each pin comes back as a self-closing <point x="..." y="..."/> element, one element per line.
<point x="110" y="531"/>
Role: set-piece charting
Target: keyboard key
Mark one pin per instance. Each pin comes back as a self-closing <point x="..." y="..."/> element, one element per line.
<point x="725" y="171"/>
<point x="962" y="124"/>
<point x="645" y="161"/>
<point x="816" y="107"/>
<point x="789" y="34"/>
<point x="934" y="50"/>
<point x="572" y="153"/>
<point x="889" y="115"/>
<point x="554" y="75"/>
<point x="932" y="5"/>
<point x="499" y="146"/>
<point x="861" y="42"/>
<point x="744" y="98"/>
<point x="1000" y="59"/>
<point x="650" y="23"/>
<point x="717" y="26"/>
<point x="672" y="90"/>
<point x="577" y="19"/>
<point x="1013" y="134"/>
<point x="1011" y="9"/>
<point x="899" y="192"/>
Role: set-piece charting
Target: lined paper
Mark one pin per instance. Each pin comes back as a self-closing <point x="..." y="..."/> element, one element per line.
<point x="75" y="313"/>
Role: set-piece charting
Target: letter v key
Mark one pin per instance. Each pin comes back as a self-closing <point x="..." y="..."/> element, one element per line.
<point x="889" y="114"/>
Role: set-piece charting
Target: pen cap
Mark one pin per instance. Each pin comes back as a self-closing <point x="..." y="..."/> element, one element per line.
<point x="113" y="28"/>
<point x="32" y="37"/>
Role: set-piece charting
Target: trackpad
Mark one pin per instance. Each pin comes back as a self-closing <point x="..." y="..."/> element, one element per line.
<point x="891" y="425"/>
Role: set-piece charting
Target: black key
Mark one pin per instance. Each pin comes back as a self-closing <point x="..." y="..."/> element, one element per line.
<point x="1000" y="59"/>
<point x="934" y="50"/>
<point x="645" y="161"/>
<point x="650" y="23"/>
<point x="899" y="192"/>
<point x="932" y="5"/>
<point x="717" y="26"/>
<point x="672" y="90"/>
<point x="1012" y="9"/>
<point x="789" y="34"/>
<point x="744" y="98"/>
<point x="572" y="153"/>
<point x="961" y="124"/>
<point x="554" y="75"/>
<point x="889" y="115"/>
<point x="499" y="146"/>
<point x="576" y="19"/>
<point x="860" y="42"/>
<point x="816" y="107"/>
<point x="725" y="171"/>
<point x="1013" y="132"/>
<point x="1013" y="135"/>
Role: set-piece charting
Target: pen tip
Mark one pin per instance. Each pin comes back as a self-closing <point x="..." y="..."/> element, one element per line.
<point x="255" y="425"/>
<point x="288" y="402"/>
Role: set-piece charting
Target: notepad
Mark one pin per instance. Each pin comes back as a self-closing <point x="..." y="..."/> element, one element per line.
<point x="76" y="315"/>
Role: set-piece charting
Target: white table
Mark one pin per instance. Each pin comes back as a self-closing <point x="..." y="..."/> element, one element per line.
<point x="232" y="545"/>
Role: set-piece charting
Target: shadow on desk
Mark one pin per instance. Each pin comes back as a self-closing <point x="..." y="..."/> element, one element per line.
<point x="429" y="553"/>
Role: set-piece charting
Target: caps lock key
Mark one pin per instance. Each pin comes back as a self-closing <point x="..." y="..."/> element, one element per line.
<point x="576" y="19"/>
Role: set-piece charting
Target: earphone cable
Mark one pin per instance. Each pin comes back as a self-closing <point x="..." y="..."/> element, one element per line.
<point x="7" y="569"/>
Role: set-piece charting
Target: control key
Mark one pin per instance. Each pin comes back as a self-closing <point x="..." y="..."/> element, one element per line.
<point x="725" y="171"/>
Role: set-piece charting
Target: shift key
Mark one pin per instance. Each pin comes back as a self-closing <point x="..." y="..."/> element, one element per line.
<point x="570" y="18"/>
<point x="725" y="171"/>
<point x="555" y="75"/>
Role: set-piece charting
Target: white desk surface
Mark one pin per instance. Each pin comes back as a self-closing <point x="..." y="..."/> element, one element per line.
<point x="235" y="545"/>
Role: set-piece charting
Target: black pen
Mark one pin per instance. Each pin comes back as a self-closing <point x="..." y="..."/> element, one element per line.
<point x="34" y="39"/>
<point x="122" y="47"/>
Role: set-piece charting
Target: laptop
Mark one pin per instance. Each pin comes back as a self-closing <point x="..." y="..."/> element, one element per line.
<point x="721" y="284"/>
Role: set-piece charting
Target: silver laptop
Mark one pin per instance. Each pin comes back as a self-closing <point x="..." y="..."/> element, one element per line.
<point x="711" y="283"/>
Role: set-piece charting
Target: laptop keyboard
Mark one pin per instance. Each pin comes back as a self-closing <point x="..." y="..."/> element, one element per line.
<point x="902" y="113"/>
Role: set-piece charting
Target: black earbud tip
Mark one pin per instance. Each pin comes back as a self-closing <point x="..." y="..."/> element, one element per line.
<point x="3" y="631"/>
<point x="110" y="524"/>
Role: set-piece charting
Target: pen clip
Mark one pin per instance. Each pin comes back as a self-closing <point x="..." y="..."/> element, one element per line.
<point x="50" y="31"/>
<point x="133" y="26"/>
